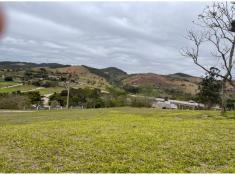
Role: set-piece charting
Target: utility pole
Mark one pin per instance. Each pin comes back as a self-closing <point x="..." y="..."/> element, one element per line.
<point x="67" y="86"/>
<point x="68" y="91"/>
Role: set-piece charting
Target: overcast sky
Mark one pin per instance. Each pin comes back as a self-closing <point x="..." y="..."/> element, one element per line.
<point x="134" y="36"/>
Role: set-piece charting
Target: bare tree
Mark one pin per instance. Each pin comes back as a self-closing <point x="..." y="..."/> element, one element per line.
<point x="216" y="26"/>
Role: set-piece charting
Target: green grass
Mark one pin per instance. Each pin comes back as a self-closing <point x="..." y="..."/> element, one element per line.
<point x="117" y="140"/>
<point x="7" y="83"/>
<point x="17" y="88"/>
<point x="50" y="90"/>
<point x="42" y="91"/>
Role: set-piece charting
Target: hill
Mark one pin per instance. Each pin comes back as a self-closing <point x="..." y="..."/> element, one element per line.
<point x="46" y="78"/>
<point x="165" y="82"/>
<point x="178" y="85"/>
<point x="112" y="74"/>
<point x="85" y="77"/>
<point x="27" y="65"/>
<point x="174" y="83"/>
<point x="185" y="77"/>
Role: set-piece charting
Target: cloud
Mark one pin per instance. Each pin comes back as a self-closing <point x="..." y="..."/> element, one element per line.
<point x="134" y="36"/>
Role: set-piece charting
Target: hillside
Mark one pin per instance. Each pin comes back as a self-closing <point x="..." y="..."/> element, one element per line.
<point x="182" y="83"/>
<point x="39" y="76"/>
<point x="112" y="74"/>
<point x="188" y="85"/>
<point x="84" y="76"/>
<point x="185" y="77"/>
<point x="27" y="65"/>
<point x="46" y="78"/>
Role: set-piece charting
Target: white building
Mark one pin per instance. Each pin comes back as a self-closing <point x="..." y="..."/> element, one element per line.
<point x="164" y="105"/>
<point x="176" y="104"/>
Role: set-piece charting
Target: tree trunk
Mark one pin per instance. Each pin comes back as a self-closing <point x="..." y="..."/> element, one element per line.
<point x="223" y="97"/>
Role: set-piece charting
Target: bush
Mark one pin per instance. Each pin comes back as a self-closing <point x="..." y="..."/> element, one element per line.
<point x="131" y="89"/>
<point x="59" y="98"/>
<point x="47" y="84"/>
<point x="116" y="92"/>
<point x="36" y="83"/>
<point x="231" y="104"/>
<point x="110" y="101"/>
<point x="54" y="104"/>
<point x="34" y="96"/>
<point x="8" y="79"/>
<point x="90" y="98"/>
<point x="14" y="102"/>
<point x="140" y="102"/>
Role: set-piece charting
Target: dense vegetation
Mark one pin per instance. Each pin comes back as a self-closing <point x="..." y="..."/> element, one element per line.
<point x="124" y="140"/>
<point x="93" y="98"/>
<point x="19" y="100"/>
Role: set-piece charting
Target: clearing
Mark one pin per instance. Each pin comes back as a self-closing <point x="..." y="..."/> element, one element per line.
<point x="117" y="140"/>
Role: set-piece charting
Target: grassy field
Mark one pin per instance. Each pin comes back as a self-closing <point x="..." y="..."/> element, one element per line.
<point x="6" y="83"/>
<point x="42" y="90"/>
<point x="50" y="90"/>
<point x="117" y="140"/>
<point x="23" y="88"/>
<point x="17" y="88"/>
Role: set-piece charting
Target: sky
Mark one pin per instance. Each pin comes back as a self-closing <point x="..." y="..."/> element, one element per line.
<point x="138" y="37"/>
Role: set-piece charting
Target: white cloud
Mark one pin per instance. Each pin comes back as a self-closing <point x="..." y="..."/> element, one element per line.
<point x="134" y="36"/>
<point x="53" y="45"/>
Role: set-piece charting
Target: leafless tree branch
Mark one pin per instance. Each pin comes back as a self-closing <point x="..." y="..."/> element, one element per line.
<point x="218" y="21"/>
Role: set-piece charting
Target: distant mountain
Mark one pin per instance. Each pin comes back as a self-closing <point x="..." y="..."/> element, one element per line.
<point x="178" y="84"/>
<point x="84" y="76"/>
<point x="112" y="74"/>
<point x="179" y="74"/>
<point x="166" y="82"/>
<point x="185" y="77"/>
<point x="23" y="65"/>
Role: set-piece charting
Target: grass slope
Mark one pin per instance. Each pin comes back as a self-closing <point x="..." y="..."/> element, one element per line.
<point x="17" y="88"/>
<point x="117" y="140"/>
<point x="25" y="88"/>
<point x="4" y="84"/>
<point x="112" y="74"/>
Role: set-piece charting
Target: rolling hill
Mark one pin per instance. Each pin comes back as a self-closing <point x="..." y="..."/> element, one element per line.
<point x="25" y="65"/>
<point x="163" y="82"/>
<point x="85" y="76"/>
<point x="112" y="74"/>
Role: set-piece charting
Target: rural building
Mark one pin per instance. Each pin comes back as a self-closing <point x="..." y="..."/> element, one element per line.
<point x="176" y="104"/>
<point x="164" y="105"/>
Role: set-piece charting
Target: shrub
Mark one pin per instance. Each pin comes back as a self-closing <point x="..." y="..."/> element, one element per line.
<point x="54" y="104"/>
<point x="231" y="104"/>
<point x="140" y="102"/>
<point x="91" y="98"/>
<point x="34" y="96"/>
<point x="8" y="79"/>
<point x="14" y="102"/>
<point x="47" y="84"/>
<point x="131" y="89"/>
<point x="36" y="83"/>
